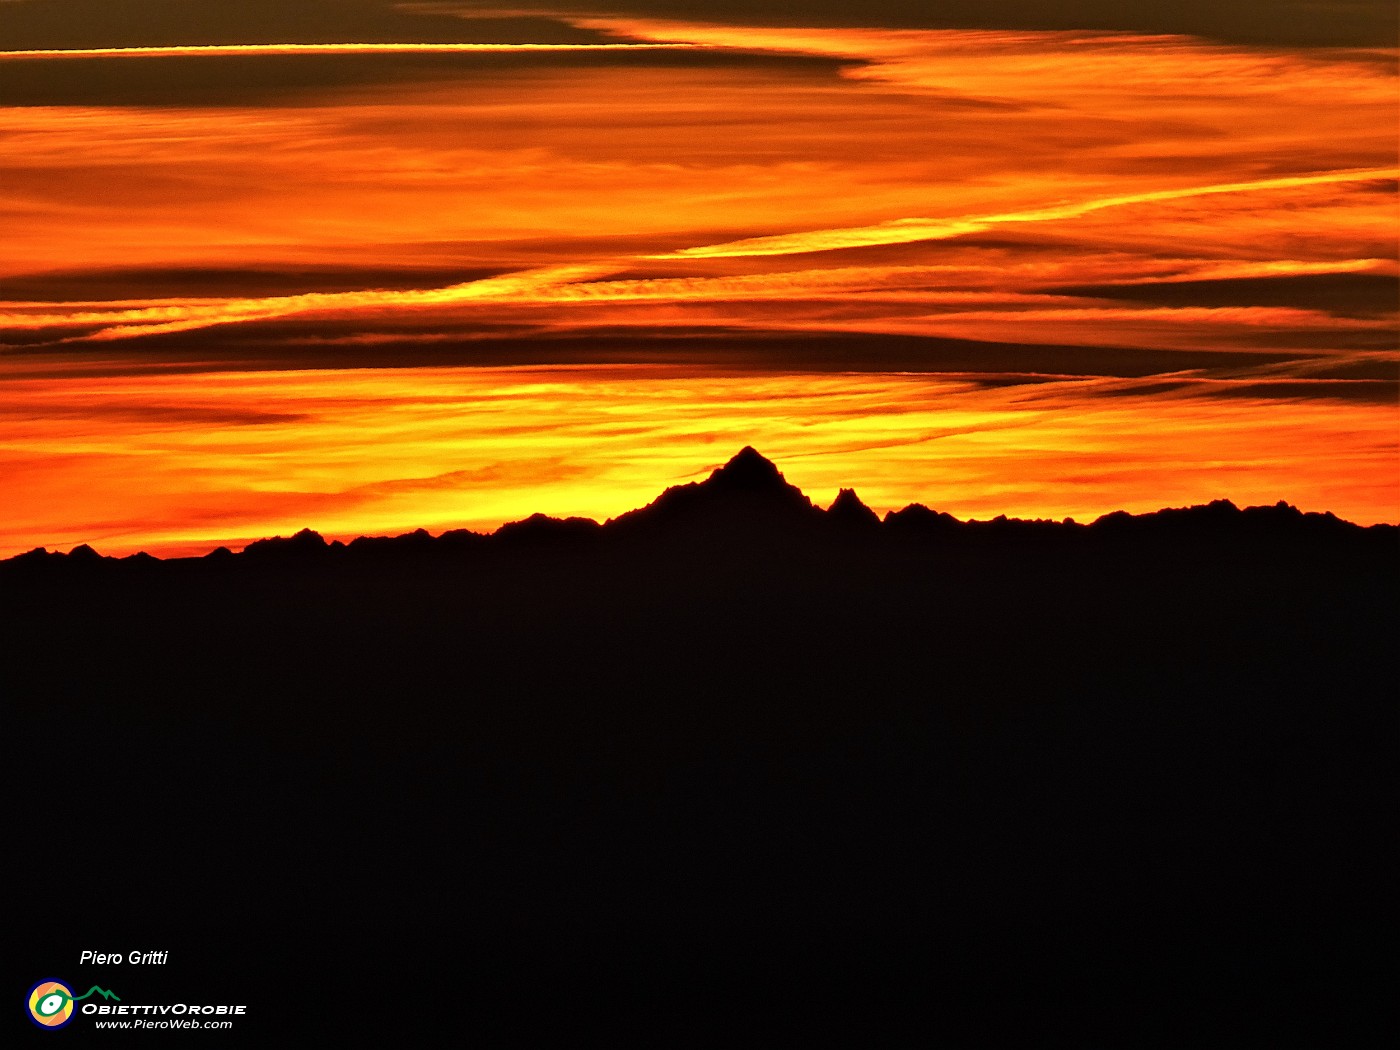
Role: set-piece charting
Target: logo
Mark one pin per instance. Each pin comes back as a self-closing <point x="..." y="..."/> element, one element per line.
<point x="51" y="1002"/>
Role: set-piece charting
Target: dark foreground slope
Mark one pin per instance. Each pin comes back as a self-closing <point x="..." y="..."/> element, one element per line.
<point x="730" y="770"/>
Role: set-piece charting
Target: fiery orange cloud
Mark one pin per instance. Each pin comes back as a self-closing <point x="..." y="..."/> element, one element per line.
<point x="1168" y="253"/>
<point x="868" y="300"/>
<point x="148" y="318"/>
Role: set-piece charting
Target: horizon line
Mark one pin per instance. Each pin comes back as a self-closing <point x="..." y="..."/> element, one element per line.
<point x="345" y="540"/>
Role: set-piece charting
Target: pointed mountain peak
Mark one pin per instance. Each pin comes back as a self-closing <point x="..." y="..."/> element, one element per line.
<point x="748" y="490"/>
<point x="848" y="509"/>
<point x="748" y="470"/>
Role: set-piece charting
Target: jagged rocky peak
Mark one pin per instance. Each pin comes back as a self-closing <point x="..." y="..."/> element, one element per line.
<point x="848" y="509"/>
<point x="747" y="491"/>
<point x="749" y="470"/>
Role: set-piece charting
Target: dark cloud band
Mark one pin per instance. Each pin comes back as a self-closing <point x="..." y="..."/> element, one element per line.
<point x="136" y="23"/>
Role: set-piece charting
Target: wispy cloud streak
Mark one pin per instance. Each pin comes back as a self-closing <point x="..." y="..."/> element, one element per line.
<point x="904" y="231"/>
<point x="215" y="50"/>
<point x="1038" y="273"/>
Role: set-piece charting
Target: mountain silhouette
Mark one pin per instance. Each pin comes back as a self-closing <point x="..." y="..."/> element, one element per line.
<point x="729" y="769"/>
<point x="848" y="511"/>
<point x="748" y="471"/>
<point x="748" y="501"/>
<point x="747" y="495"/>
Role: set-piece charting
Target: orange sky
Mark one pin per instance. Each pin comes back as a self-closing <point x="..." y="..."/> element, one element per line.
<point x="248" y="290"/>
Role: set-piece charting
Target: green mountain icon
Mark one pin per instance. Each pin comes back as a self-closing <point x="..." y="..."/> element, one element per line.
<point x="100" y="991"/>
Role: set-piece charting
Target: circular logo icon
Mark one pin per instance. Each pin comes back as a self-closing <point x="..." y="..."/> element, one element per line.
<point x="51" y="1004"/>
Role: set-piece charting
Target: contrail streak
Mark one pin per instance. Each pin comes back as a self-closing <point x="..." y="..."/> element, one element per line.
<point x="905" y="231"/>
<point x="188" y="50"/>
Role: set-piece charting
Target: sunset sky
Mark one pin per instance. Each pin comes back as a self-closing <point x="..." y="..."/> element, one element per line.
<point x="363" y="267"/>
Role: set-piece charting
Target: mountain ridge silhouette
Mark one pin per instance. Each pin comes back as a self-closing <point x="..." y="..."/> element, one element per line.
<point x="749" y="497"/>
<point x="733" y="770"/>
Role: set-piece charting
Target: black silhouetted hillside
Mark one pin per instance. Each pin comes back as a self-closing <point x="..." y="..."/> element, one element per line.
<point x="730" y="769"/>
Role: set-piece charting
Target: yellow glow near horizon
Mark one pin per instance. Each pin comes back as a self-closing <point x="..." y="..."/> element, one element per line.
<point x="182" y="463"/>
